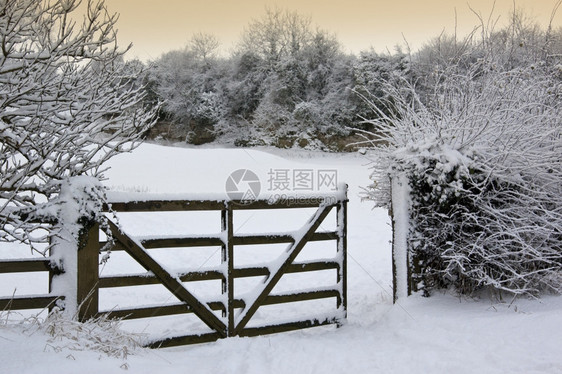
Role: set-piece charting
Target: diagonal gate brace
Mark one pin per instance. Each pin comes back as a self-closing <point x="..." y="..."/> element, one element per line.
<point x="171" y="283"/>
<point x="293" y="251"/>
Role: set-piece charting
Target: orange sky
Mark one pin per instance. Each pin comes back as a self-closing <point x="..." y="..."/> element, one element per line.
<point x="155" y="26"/>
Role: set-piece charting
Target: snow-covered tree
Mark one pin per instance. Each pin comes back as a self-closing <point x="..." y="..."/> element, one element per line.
<point x="372" y="72"/>
<point x="68" y="103"/>
<point x="279" y="33"/>
<point x="204" y="46"/>
<point x="287" y="84"/>
<point x="243" y="89"/>
<point x="189" y="86"/>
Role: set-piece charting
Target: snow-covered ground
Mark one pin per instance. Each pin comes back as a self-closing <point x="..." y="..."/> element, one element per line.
<point x="441" y="334"/>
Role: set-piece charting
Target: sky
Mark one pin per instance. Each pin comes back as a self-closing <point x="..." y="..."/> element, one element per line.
<point x="155" y="27"/>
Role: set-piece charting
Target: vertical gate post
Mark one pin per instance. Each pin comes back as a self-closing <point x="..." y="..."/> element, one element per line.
<point x="400" y="217"/>
<point x="75" y="275"/>
<point x="228" y="265"/>
<point x="87" y="268"/>
<point x="341" y="215"/>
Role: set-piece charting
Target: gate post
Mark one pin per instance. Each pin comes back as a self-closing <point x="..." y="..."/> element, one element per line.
<point x="75" y="275"/>
<point x="228" y="265"/>
<point x="400" y="217"/>
<point x="87" y="268"/>
<point x="341" y="214"/>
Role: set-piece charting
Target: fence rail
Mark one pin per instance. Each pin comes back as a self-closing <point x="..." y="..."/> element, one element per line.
<point x="25" y="265"/>
<point x="28" y="302"/>
<point x="30" y="265"/>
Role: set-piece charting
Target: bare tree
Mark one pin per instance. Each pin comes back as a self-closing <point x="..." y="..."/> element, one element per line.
<point x="67" y="105"/>
<point x="278" y="34"/>
<point x="204" y="46"/>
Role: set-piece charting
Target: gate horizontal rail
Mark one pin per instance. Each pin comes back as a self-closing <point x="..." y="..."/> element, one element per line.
<point x="181" y="308"/>
<point x="208" y="241"/>
<point x="173" y="205"/>
<point x="142" y="279"/>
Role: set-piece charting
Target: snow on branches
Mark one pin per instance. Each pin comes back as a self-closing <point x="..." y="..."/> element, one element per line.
<point x="67" y="104"/>
<point x="482" y="150"/>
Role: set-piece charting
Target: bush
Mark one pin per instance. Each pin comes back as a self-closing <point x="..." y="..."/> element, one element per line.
<point x="483" y="155"/>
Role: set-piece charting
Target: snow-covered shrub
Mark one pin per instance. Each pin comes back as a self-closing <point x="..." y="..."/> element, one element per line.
<point x="60" y="334"/>
<point x="483" y="155"/>
<point x="100" y="334"/>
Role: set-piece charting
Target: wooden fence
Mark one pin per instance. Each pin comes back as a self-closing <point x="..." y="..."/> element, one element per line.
<point x="30" y="265"/>
<point x="224" y="318"/>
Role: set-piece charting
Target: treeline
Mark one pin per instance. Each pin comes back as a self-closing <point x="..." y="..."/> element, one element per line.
<point x="289" y="84"/>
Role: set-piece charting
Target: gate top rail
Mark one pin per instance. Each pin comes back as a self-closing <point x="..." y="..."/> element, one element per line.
<point x="141" y="202"/>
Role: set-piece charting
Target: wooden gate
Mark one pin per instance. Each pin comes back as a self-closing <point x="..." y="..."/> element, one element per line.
<point x="236" y="312"/>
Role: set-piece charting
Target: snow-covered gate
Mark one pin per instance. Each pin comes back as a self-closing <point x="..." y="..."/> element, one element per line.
<point x="229" y="316"/>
